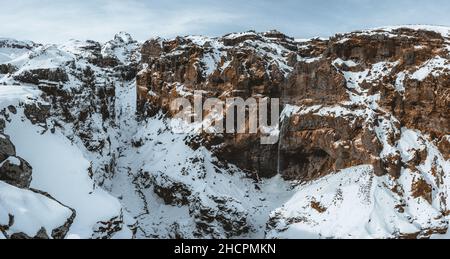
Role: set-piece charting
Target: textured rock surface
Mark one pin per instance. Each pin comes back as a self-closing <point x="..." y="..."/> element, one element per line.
<point x="70" y="98"/>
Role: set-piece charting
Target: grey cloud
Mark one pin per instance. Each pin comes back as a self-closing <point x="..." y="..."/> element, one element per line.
<point x="60" y="20"/>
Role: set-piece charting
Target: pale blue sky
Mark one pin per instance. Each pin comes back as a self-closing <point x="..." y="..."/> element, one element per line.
<point x="60" y="20"/>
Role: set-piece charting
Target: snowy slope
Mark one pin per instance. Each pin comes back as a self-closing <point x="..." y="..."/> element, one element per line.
<point x="31" y="211"/>
<point x="60" y="169"/>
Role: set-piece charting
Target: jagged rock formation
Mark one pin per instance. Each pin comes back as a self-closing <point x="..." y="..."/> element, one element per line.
<point x="364" y="130"/>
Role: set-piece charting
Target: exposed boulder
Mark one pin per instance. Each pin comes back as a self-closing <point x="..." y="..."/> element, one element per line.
<point x="7" y="148"/>
<point x="16" y="171"/>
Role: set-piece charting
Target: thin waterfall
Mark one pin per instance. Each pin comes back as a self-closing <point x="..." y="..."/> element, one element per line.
<point x="280" y="138"/>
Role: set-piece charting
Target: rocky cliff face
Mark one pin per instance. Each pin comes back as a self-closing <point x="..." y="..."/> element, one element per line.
<point x="304" y="75"/>
<point x="364" y="129"/>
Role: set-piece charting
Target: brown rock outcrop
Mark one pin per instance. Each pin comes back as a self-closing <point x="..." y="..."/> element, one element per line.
<point x="316" y="82"/>
<point x="307" y="74"/>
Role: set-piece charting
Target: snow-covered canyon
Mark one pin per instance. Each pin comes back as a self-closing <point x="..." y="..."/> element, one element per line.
<point x="87" y="150"/>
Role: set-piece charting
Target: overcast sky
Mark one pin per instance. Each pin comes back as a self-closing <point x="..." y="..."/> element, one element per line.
<point x="56" y="21"/>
